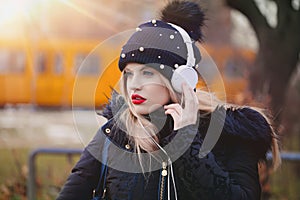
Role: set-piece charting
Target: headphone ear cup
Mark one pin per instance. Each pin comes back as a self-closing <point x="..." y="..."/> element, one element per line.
<point x="182" y="74"/>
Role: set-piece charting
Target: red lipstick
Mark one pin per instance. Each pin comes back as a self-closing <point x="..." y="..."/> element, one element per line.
<point x="137" y="99"/>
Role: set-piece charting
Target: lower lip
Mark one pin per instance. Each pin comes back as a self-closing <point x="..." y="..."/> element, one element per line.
<point x="138" y="101"/>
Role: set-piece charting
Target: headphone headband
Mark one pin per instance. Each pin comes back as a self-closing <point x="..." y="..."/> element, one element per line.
<point x="191" y="61"/>
<point x="185" y="73"/>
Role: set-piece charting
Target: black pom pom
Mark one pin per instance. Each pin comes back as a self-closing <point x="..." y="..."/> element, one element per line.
<point x="187" y="15"/>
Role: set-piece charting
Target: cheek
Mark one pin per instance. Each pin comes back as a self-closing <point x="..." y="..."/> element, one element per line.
<point x="160" y="95"/>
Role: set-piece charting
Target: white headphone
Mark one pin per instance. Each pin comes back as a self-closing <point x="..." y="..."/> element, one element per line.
<point x="185" y="73"/>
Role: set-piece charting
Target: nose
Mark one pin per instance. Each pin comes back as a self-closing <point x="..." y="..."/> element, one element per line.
<point x="135" y="82"/>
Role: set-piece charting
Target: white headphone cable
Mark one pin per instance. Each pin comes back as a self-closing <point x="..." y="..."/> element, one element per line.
<point x="170" y="169"/>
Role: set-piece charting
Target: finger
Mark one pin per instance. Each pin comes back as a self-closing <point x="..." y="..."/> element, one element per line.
<point x="190" y="98"/>
<point x="194" y="96"/>
<point x="186" y="91"/>
<point x="175" y="107"/>
<point x="174" y="114"/>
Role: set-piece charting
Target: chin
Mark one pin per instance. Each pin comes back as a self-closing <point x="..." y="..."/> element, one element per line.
<point x="141" y="111"/>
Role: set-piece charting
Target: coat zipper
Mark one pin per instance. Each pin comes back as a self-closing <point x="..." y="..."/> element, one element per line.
<point x="164" y="173"/>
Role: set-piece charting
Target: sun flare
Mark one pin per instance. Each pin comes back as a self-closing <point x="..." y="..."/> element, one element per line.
<point x="11" y="10"/>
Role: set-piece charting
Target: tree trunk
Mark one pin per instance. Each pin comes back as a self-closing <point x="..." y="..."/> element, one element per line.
<point x="275" y="63"/>
<point x="278" y="53"/>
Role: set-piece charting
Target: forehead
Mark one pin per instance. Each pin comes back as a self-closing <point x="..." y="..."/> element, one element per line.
<point x="137" y="67"/>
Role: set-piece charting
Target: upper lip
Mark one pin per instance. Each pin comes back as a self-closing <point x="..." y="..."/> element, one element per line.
<point x="136" y="96"/>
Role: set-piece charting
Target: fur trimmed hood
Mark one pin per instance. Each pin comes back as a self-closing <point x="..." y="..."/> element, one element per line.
<point x="246" y="123"/>
<point x="241" y="123"/>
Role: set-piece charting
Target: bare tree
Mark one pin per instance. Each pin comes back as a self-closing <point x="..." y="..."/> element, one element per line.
<point x="278" y="52"/>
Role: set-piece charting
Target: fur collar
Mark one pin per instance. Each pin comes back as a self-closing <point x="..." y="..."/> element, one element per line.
<point x="240" y="122"/>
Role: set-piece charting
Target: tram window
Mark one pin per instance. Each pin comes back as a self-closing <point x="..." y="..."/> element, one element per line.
<point x="18" y="60"/>
<point x="79" y="58"/>
<point x="4" y="61"/>
<point x="12" y="62"/>
<point x="40" y="63"/>
<point x="58" y="64"/>
<point x="87" y="65"/>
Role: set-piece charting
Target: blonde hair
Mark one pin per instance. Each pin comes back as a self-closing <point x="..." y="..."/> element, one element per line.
<point x="276" y="158"/>
<point x="139" y="129"/>
<point x="143" y="132"/>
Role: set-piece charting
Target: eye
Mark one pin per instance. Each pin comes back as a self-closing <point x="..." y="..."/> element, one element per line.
<point x="148" y="73"/>
<point x="127" y="73"/>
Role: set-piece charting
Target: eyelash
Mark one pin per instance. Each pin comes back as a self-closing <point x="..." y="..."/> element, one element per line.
<point x="145" y="73"/>
<point x="128" y="73"/>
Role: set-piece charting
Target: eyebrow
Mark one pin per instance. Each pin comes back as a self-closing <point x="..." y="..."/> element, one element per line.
<point x="144" y="67"/>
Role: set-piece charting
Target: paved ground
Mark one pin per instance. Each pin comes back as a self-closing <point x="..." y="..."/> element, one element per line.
<point x="30" y="127"/>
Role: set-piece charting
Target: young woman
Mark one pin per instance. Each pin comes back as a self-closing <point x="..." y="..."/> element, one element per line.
<point x="154" y="144"/>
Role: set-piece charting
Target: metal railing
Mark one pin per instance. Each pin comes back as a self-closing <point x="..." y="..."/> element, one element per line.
<point x="287" y="156"/>
<point x="31" y="188"/>
<point x="31" y="183"/>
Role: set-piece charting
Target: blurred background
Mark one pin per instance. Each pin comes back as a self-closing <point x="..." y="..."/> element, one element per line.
<point x="43" y="43"/>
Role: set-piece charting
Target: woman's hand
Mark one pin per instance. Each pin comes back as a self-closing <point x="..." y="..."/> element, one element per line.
<point x="187" y="115"/>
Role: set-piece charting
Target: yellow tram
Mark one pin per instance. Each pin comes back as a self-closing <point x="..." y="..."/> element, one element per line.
<point x="48" y="73"/>
<point x="43" y="73"/>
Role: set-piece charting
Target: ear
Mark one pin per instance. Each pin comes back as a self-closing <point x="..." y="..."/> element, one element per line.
<point x="182" y="74"/>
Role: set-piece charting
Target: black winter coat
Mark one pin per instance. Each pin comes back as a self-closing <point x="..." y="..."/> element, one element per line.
<point x="229" y="171"/>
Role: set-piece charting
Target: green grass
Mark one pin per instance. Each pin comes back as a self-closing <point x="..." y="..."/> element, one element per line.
<point x="285" y="182"/>
<point x="52" y="171"/>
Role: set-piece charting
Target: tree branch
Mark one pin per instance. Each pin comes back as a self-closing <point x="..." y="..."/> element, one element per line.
<point x="251" y="11"/>
<point x="283" y="14"/>
<point x="288" y="20"/>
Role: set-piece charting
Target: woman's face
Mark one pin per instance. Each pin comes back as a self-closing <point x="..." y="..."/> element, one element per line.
<point x="145" y="87"/>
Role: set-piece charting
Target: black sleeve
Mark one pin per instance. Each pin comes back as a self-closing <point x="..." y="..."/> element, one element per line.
<point x="83" y="179"/>
<point x="206" y="178"/>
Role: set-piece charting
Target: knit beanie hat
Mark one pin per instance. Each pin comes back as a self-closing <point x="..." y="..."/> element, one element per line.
<point x="160" y="45"/>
